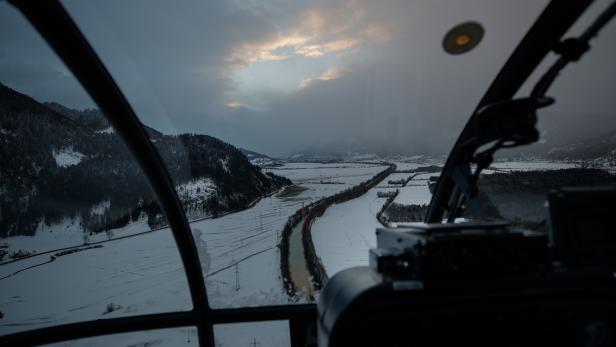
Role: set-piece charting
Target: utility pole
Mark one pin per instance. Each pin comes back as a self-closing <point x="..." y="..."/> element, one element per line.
<point x="237" y="276"/>
<point x="254" y="343"/>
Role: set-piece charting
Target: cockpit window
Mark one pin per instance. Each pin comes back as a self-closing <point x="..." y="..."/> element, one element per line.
<point x="79" y="236"/>
<point x="267" y="114"/>
<point x="577" y="146"/>
<point x="290" y="131"/>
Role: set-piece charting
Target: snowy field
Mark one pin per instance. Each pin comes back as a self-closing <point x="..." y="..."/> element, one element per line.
<point x="144" y="274"/>
<point x="345" y="232"/>
<point x="510" y="166"/>
<point x="66" y="157"/>
<point x="394" y="177"/>
<point x="138" y="275"/>
<point x="416" y="191"/>
<point x="412" y="163"/>
<point x="249" y="238"/>
<point x="68" y="234"/>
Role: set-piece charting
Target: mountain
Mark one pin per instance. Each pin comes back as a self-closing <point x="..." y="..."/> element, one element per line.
<point x="63" y="164"/>
<point x="327" y="153"/>
<point x="595" y="151"/>
<point x="261" y="160"/>
<point x="324" y="156"/>
<point x="349" y="156"/>
<point x="92" y="119"/>
<point x="603" y="146"/>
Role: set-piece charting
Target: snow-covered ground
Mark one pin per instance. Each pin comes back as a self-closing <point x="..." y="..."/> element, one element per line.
<point x="416" y="191"/>
<point x="66" y="157"/>
<point x="132" y="276"/>
<point x="144" y="274"/>
<point x="346" y="231"/>
<point x="509" y="166"/>
<point x="394" y="177"/>
<point x="201" y="189"/>
<point x="249" y="238"/>
<point x="108" y="130"/>
<point x="68" y="233"/>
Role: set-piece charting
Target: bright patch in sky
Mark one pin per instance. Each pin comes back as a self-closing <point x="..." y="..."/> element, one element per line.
<point x="258" y="82"/>
<point x="233" y="104"/>
<point x="329" y="74"/>
<point x="312" y="49"/>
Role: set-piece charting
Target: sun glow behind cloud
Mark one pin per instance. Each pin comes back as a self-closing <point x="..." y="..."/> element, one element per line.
<point x="313" y="47"/>
<point x="329" y="74"/>
<point x="233" y="104"/>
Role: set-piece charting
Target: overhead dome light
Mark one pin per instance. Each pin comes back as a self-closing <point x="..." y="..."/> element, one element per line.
<point x="463" y="37"/>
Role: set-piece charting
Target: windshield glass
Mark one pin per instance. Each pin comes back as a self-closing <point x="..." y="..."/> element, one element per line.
<point x="289" y="127"/>
<point x="78" y="220"/>
<point x="577" y="146"/>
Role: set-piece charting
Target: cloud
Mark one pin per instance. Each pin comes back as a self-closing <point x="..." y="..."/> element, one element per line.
<point x="233" y="104"/>
<point x="266" y="51"/>
<point x="317" y="31"/>
<point x="280" y="76"/>
<point x="329" y="74"/>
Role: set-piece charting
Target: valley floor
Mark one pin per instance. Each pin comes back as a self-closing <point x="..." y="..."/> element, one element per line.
<point x="144" y="274"/>
<point x="239" y="256"/>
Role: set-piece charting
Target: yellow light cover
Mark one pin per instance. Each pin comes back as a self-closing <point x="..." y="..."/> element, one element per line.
<point x="463" y="40"/>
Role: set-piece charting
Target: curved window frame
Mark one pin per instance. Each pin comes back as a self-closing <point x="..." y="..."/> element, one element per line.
<point x="54" y="24"/>
<point x="545" y="34"/>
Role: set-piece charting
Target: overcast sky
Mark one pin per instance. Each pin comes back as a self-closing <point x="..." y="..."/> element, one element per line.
<point x="282" y="76"/>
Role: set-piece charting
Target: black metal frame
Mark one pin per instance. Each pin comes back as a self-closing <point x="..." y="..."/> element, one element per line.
<point x="299" y="317"/>
<point x="52" y="21"/>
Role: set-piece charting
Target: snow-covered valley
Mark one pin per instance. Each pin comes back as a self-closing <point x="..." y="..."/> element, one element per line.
<point x="239" y="255"/>
<point x="144" y="274"/>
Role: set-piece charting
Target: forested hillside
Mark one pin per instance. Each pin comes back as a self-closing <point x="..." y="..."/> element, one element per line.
<point x="59" y="163"/>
